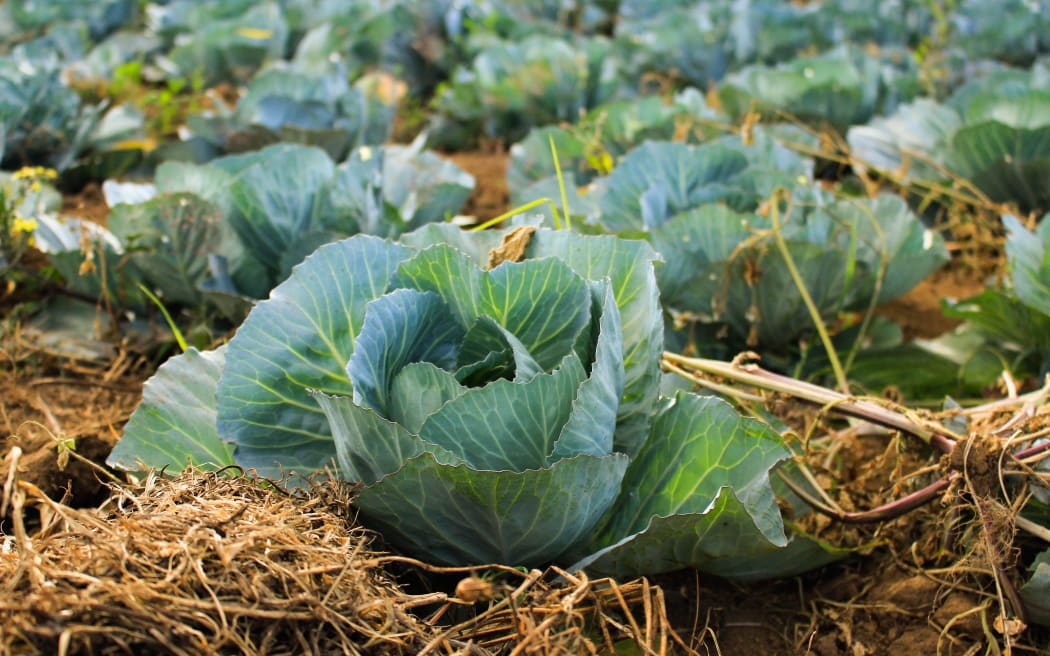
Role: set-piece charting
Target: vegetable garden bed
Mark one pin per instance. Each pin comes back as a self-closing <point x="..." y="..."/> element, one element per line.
<point x="495" y="327"/>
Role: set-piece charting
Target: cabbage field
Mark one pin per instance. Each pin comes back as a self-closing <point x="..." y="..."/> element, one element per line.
<point x="504" y="327"/>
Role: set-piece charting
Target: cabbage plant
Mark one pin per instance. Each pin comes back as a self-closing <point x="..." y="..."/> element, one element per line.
<point x="511" y="87"/>
<point x="286" y="103"/>
<point x="842" y="87"/>
<point x="492" y="410"/>
<point x="227" y="232"/>
<point x="701" y="209"/>
<point x="996" y="134"/>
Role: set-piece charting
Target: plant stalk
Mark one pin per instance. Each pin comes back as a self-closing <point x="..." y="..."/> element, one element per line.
<point x="887" y="511"/>
<point x="796" y="277"/>
<point x="757" y="377"/>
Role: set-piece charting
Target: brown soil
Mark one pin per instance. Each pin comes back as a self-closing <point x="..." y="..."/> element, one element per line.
<point x="490" y="197"/>
<point x="64" y="415"/>
<point x="88" y="203"/>
<point x="918" y="312"/>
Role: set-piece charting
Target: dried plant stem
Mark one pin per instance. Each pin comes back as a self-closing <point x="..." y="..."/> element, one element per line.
<point x="755" y="376"/>
<point x="796" y="277"/>
<point x="887" y="511"/>
<point x="1038" y="530"/>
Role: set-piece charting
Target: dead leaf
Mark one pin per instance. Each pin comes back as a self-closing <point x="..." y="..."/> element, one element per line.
<point x="512" y="248"/>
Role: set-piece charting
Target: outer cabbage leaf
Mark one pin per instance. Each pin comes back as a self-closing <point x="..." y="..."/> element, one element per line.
<point x="287" y="103"/>
<point x="41" y="119"/>
<point x="1029" y="260"/>
<point x="723" y="266"/>
<point x="423" y="186"/>
<point x="223" y="41"/>
<point x="842" y="87"/>
<point x="605" y="134"/>
<point x="1004" y="148"/>
<point x="475" y="245"/>
<point x="100" y="16"/>
<point x="512" y="86"/>
<point x="1009" y="328"/>
<point x="457" y="515"/>
<point x="689" y="44"/>
<point x="283" y="201"/>
<point x="658" y="180"/>
<point x="300" y="338"/>
<point x="109" y="273"/>
<point x="895" y="250"/>
<point x="403" y="39"/>
<point x="910" y="142"/>
<point x="1009" y="30"/>
<point x="1036" y="591"/>
<point x="769" y="32"/>
<point x="277" y="198"/>
<point x="699" y="495"/>
<point x="995" y="133"/>
<point x="174" y="425"/>
<point x="169" y="238"/>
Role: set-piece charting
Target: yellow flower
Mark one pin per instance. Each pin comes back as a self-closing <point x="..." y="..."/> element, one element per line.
<point x="35" y="173"/>
<point x="22" y="224"/>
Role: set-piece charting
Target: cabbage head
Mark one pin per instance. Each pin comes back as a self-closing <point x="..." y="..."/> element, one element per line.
<point x="495" y="396"/>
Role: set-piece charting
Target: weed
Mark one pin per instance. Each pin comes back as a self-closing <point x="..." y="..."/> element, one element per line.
<point x="19" y="202"/>
<point x="166" y="105"/>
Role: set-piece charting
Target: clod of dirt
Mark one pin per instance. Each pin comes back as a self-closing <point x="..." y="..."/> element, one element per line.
<point x="959" y="612"/>
<point x="979" y="459"/>
<point x="490" y="197"/>
<point x="914" y="641"/>
<point x="915" y="594"/>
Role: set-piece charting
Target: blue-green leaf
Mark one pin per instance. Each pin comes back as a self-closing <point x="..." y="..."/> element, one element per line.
<point x="698" y="491"/>
<point x="444" y="270"/>
<point x="475" y="245"/>
<point x="1036" y="591"/>
<point x="1029" y="264"/>
<point x="457" y="516"/>
<point x="486" y="338"/>
<point x="174" y="425"/>
<point x="680" y="175"/>
<point x="169" y="238"/>
<point x="367" y="446"/>
<point x="277" y="198"/>
<point x="300" y="339"/>
<point x="630" y="267"/>
<point x="418" y="391"/>
<point x="697" y="247"/>
<point x="543" y="303"/>
<point x="592" y="424"/>
<point x="507" y="425"/>
<point x="401" y="327"/>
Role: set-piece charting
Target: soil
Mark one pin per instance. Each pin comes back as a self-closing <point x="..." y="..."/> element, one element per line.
<point x="490" y="197"/>
<point x="918" y="312"/>
<point x="899" y="597"/>
<point x="88" y="203"/>
<point x="65" y="417"/>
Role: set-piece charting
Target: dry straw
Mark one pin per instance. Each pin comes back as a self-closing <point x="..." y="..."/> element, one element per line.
<point x="208" y="563"/>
